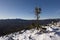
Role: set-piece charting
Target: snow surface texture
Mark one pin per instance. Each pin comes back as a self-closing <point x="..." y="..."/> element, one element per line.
<point x="34" y="34"/>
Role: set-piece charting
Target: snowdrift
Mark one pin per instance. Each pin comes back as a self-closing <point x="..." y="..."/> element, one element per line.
<point x="34" y="34"/>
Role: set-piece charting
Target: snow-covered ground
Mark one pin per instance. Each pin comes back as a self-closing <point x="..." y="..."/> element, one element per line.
<point x="53" y="33"/>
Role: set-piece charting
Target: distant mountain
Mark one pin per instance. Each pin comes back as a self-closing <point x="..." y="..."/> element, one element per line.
<point x="12" y="25"/>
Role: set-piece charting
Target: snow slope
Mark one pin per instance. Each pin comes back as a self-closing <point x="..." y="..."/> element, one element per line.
<point x="34" y="34"/>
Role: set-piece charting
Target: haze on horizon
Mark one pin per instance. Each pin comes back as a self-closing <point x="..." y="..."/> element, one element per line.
<point x="24" y="9"/>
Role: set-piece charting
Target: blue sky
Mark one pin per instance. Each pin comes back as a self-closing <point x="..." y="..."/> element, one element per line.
<point x="24" y="9"/>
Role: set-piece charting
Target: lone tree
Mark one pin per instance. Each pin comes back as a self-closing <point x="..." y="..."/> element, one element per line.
<point x="37" y="12"/>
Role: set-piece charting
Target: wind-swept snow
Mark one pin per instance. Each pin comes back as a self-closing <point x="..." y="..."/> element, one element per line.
<point x="34" y="34"/>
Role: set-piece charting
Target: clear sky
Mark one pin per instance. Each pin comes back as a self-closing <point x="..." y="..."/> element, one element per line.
<point x="24" y="9"/>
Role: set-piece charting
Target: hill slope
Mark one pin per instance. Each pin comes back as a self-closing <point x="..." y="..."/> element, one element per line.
<point x="12" y="25"/>
<point x="52" y="33"/>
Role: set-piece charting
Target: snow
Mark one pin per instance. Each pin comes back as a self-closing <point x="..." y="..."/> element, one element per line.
<point x="34" y="34"/>
<point x="49" y="29"/>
